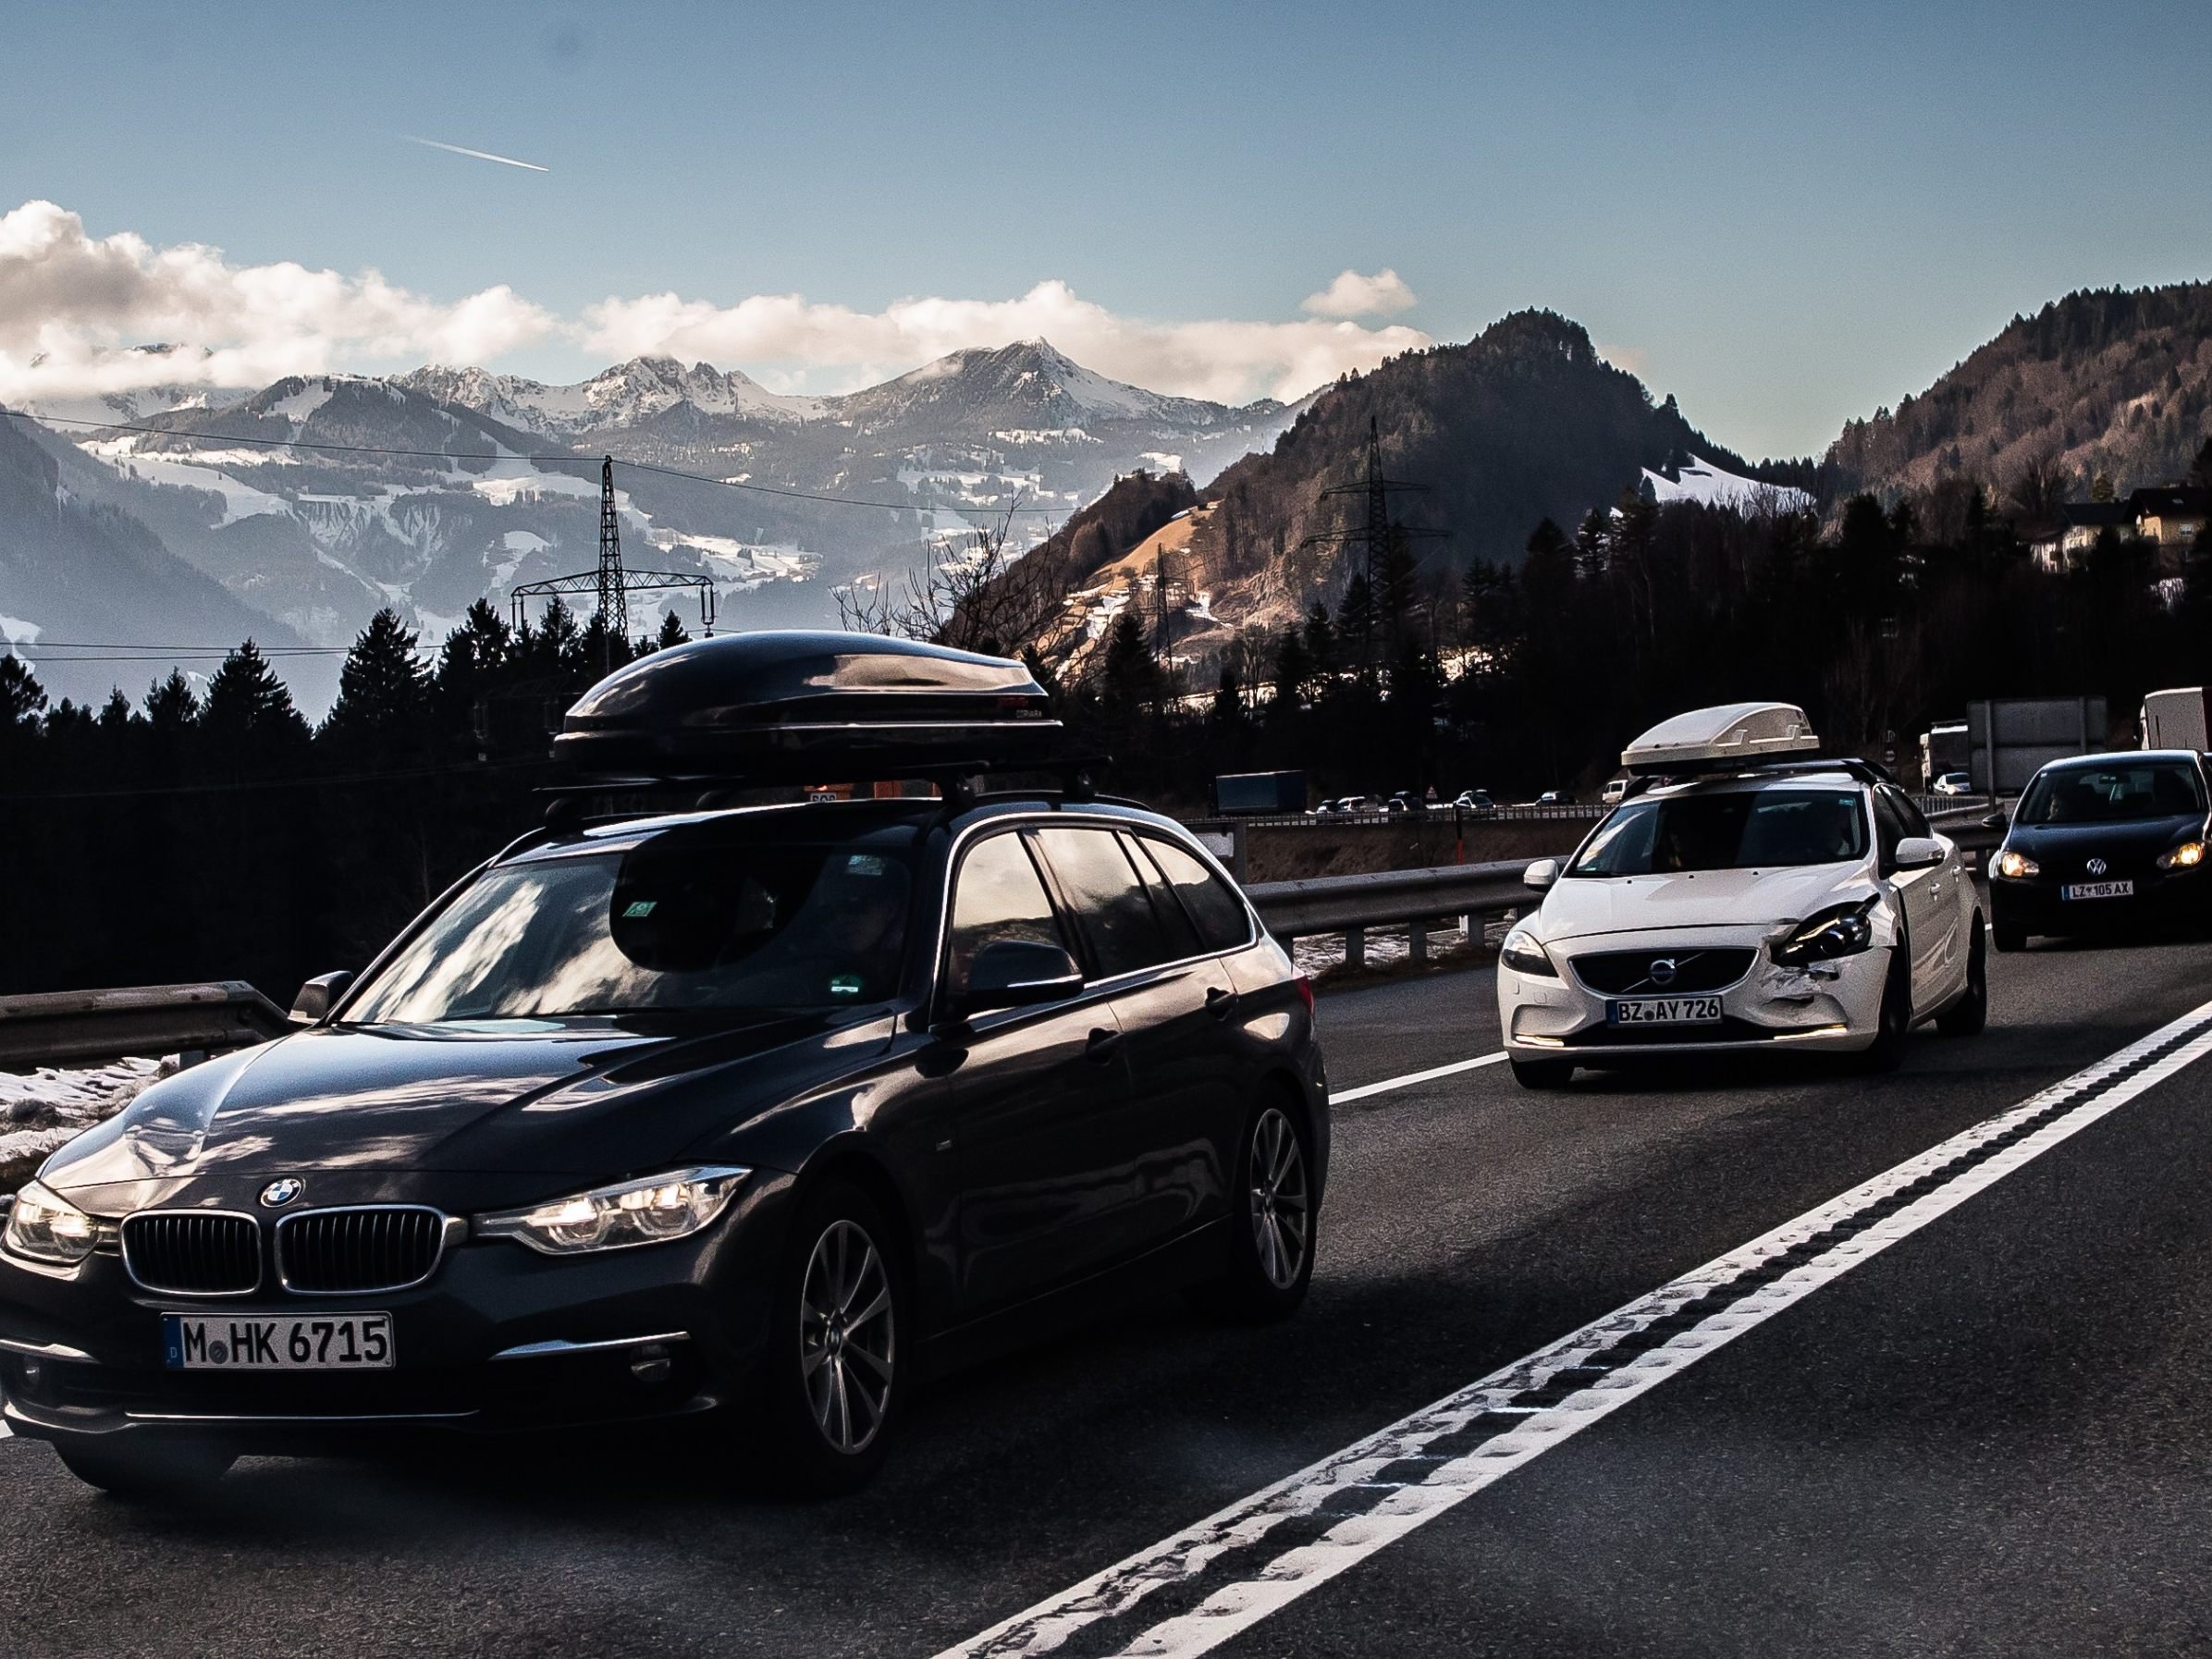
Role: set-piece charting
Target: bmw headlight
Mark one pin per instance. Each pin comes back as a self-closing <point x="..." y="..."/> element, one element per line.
<point x="44" y="1226"/>
<point x="1841" y="931"/>
<point x="2186" y="857"/>
<point x="2017" y="866"/>
<point x="651" y="1211"/>
<point x="1524" y="953"/>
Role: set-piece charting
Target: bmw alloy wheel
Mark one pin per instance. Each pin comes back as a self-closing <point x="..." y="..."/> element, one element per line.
<point x="846" y="1336"/>
<point x="1279" y="1199"/>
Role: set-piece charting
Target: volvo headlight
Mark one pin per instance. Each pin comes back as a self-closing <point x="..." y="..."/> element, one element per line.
<point x="2016" y="864"/>
<point x="1841" y="931"/>
<point x="2186" y="857"/>
<point x="651" y="1211"/>
<point x="44" y="1226"/>
<point x="1524" y="953"/>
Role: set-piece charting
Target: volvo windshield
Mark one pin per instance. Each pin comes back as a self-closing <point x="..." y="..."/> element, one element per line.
<point x="1765" y="829"/>
<point x="680" y="923"/>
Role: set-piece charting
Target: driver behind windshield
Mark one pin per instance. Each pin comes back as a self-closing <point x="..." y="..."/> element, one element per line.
<point x="682" y="922"/>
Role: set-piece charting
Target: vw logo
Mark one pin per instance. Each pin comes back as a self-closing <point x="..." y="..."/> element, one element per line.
<point x="278" y="1194"/>
<point x="2097" y="867"/>
<point x="1663" y="971"/>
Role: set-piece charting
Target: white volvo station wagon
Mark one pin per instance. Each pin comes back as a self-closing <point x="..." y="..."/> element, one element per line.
<point x="1747" y="894"/>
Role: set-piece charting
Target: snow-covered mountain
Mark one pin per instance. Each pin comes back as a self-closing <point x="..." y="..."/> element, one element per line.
<point x="472" y="490"/>
<point x="1693" y="478"/>
<point x="622" y="396"/>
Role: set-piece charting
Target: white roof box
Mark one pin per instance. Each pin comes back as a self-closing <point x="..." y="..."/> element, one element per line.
<point x="1734" y="734"/>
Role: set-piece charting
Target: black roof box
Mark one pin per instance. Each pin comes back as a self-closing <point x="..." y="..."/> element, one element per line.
<point x="792" y="705"/>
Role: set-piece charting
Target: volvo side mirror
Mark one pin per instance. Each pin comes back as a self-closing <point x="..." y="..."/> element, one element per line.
<point x="319" y="995"/>
<point x="1540" y="875"/>
<point x="1018" y="973"/>
<point x="1917" y="853"/>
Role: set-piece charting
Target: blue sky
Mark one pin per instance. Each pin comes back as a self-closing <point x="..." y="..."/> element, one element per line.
<point x="1786" y="216"/>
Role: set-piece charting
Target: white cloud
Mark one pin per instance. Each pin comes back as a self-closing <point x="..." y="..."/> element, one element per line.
<point x="1351" y="295"/>
<point x="1225" y="359"/>
<point x="76" y="312"/>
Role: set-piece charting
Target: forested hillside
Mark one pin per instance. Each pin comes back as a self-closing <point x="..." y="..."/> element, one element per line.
<point x="2112" y="383"/>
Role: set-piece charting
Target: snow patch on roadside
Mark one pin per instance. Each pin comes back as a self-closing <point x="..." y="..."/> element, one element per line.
<point x="51" y="1106"/>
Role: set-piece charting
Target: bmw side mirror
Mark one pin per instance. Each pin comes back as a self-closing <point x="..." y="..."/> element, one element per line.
<point x="1917" y="853"/>
<point x="319" y="995"/>
<point x="1997" y="820"/>
<point x="1540" y="875"/>
<point x="1018" y="973"/>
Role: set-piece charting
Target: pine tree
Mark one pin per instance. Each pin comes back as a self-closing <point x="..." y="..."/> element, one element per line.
<point x="1129" y="673"/>
<point x="248" y="716"/>
<point x="114" y="714"/>
<point x="383" y="692"/>
<point x="671" y="631"/>
<point x="1320" y="642"/>
<point x="2200" y="470"/>
<point x="21" y="696"/>
<point x="171" y="705"/>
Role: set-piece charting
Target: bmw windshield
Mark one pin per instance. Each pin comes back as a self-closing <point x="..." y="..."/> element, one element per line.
<point x="678" y="923"/>
<point x="1766" y="828"/>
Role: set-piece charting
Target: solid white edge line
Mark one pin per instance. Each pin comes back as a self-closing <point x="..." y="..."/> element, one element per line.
<point x="1347" y="1096"/>
<point x="1238" y="1605"/>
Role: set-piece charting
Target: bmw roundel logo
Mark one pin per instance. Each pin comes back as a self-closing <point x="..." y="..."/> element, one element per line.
<point x="2097" y="867"/>
<point x="278" y="1194"/>
<point x="1663" y="970"/>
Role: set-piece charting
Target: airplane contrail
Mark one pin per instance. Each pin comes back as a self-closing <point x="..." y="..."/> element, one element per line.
<point x="504" y="161"/>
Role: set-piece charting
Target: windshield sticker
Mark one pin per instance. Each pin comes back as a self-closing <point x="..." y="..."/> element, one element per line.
<point x="642" y="907"/>
<point x="864" y="863"/>
<point x="844" y="985"/>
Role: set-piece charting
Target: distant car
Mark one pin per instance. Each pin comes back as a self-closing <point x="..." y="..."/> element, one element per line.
<point x="1406" y="800"/>
<point x="1476" y="803"/>
<point x="1770" y="899"/>
<point x="2104" y="839"/>
<point x="1614" y="792"/>
<point x="1554" y="797"/>
<point x="1953" y="784"/>
<point x="1345" y="804"/>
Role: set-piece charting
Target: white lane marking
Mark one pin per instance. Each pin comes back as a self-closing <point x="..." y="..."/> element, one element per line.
<point x="1451" y="1480"/>
<point x="1344" y="1097"/>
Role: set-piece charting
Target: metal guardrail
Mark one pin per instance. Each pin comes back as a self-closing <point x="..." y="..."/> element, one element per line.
<point x="1351" y="905"/>
<point x="81" y="1027"/>
<point x="1443" y="813"/>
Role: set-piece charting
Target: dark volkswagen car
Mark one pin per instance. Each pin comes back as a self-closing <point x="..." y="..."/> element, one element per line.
<point x="761" y="1114"/>
<point x="2101" y="840"/>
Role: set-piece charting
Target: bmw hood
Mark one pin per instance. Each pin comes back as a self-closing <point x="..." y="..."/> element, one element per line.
<point x="554" y="1101"/>
<point x="1580" y="907"/>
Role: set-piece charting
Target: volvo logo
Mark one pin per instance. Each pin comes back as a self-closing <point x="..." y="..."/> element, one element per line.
<point x="278" y="1194"/>
<point x="1663" y="970"/>
<point x="2097" y="867"/>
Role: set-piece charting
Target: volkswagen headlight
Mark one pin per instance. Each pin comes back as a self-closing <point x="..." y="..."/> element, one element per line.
<point x="1841" y="931"/>
<point x="44" y="1226"/>
<point x="2016" y="864"/>
<point x="651" y="1211"/>
<point x="1524" y="953"/>
<point x="2186" y="857"/>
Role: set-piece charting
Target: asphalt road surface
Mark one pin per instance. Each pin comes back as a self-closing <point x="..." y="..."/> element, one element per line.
<point x="1739" y="1359"/>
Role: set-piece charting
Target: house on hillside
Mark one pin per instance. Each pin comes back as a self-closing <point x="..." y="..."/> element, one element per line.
<point x="2172" y="516"/>
<point x="2066" y="544"/>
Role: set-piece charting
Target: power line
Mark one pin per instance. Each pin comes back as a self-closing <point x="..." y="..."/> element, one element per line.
<point x="571" y="457"/>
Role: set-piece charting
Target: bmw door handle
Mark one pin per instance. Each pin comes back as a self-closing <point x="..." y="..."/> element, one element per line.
<point x="1102" y="1047"/>
<point x="1220" y="1002"/>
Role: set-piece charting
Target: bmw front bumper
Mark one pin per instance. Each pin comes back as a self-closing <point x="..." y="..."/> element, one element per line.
<point x="500" y="1338"/>
<point x="1830" y="1005"/>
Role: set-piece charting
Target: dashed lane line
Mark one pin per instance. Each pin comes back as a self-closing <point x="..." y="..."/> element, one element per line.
<point x="1190" y="1593"/>
<point x="1345" y="1097"/>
